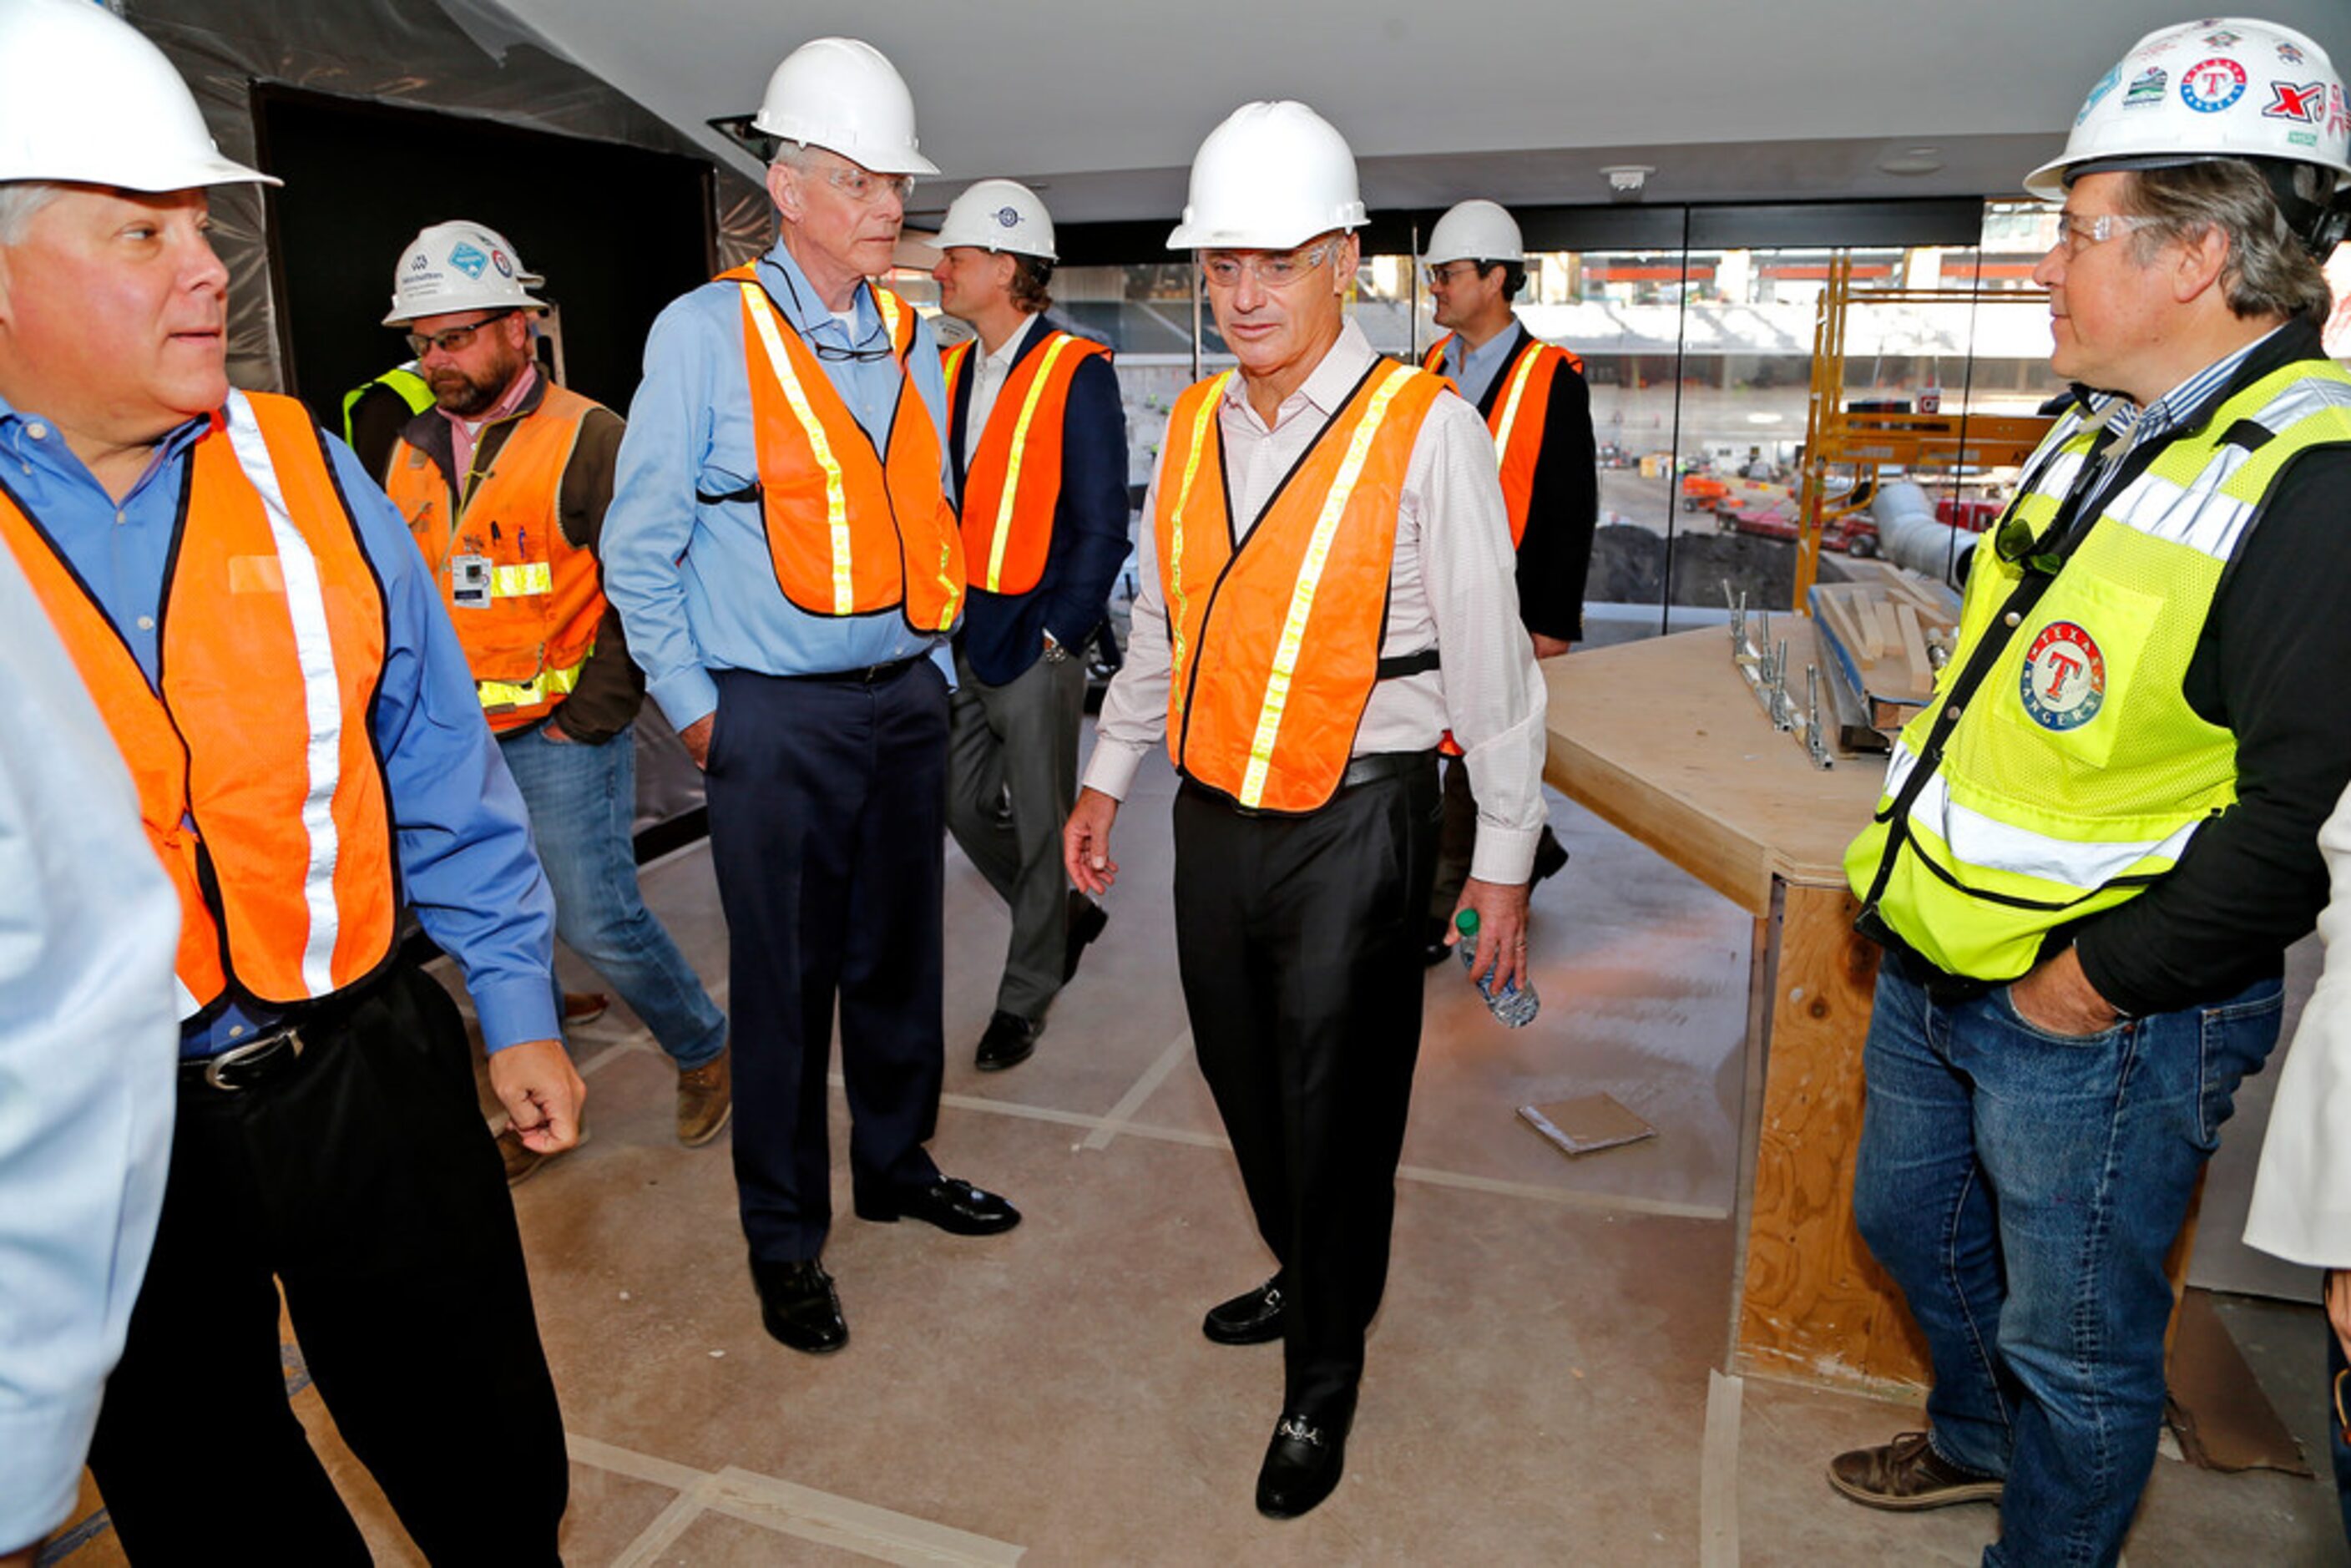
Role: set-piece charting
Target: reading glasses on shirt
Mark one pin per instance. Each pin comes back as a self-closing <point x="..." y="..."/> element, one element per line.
<point x="1277" y="270"/>
<point x="454" y="339"/>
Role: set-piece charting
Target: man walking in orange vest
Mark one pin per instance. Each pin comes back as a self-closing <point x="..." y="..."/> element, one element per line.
<point x="1330" y="595"/>
<point x="272" y="662"/>
<point x="1037" y="440"/>
<point x="504" y="482"/>
<point x="782" y="548"/>
<point x="1534" y="400"/>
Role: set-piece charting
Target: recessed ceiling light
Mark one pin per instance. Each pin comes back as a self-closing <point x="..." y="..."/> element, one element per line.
<point x="1912" y="161"/>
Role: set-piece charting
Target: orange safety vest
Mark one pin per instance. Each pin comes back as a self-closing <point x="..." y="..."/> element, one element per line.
<point x="852" y="531"/>
<point x="529" y="627"/>
<point x="1517" y="420"/>
<point x="1014" y="480"/>
<point x="258" y="782"/>
<point x="1275" y="642"/>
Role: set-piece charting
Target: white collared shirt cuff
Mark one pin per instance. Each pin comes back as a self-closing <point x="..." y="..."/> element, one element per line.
<point x="1112" y="768"/>
<point x="1504" y="855"/>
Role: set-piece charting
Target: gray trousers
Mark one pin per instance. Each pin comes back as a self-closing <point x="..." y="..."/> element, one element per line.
<point x="1012" y="777"/>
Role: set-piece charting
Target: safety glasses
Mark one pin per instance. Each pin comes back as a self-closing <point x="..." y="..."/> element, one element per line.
<point x="452" y="339"/>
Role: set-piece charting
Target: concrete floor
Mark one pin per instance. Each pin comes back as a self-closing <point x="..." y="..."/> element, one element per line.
<point x="1537" y="1383"/>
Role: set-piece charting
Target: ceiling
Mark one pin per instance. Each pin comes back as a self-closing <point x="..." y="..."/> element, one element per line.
<point x="1102" y="104"/>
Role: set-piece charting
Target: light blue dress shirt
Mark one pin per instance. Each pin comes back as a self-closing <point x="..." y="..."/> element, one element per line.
<point x="462" y="839"/>
<point x="1475" y="371"/>
<point x="88" y="926"/>
<point x="693" y="582"/>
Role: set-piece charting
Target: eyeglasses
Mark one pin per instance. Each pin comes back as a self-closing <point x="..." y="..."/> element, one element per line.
<point x="1278" y="270"/>
<point x="1439" y="275"/>
<point x="2076" y="233"/>
<point x="866" y="188"/>
<point x="452" y="339"/>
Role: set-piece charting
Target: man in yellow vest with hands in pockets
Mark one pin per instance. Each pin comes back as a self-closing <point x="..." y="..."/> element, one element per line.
<point x="2099" y="837"/>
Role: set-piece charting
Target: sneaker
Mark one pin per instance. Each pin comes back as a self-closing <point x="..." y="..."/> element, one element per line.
<point x="706" y="1098"/>
<point x="1906" y="1474"/>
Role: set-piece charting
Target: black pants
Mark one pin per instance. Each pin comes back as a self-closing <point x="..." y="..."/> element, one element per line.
<point x="363" y="1180"/>
<point x="1298" y="938"/>
<point x="828" y="803"/>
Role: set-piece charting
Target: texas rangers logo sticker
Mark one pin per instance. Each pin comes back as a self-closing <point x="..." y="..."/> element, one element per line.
<point x="2213" y="85"/>
<point x="2064" y="682"/>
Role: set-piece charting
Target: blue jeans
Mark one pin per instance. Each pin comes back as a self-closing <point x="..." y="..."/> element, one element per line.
<point x="582" y="799"/>
<point x="2022" y="1188"/>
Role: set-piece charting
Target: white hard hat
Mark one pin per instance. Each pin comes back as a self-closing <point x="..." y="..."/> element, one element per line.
<point x="843" y="95"/>
<point x="85" y="98"/>
<point x="1274" y="174"/>
<point x="1474" y="231"/>
<point x="2223" y="88"/>
<point x="999" y="214"/>
<point x="459" y="265"/>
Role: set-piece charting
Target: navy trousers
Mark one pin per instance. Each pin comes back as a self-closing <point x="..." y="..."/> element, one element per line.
<point x="828" y="803"/>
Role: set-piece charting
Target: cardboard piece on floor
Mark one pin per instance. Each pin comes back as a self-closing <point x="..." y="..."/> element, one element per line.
<point x="2216" y="1405"/>
<point x="1587" y="1124"/>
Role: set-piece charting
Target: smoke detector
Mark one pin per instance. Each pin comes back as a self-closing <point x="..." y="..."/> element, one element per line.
<point x="1625" y="180"/>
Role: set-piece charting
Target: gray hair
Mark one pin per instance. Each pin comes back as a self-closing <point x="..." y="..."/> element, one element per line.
<point x="19" y="200"/>
<point x="2270" y="272"/>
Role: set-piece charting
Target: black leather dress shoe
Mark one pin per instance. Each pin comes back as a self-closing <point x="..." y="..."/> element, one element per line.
<point x="798" y="1306"/>
<point x="955" y="1206"/>
<point x="1302" y="1465"/>
<point x="1253" y="1317"/>
<point x="1008" y="1041"/>
<point x="1433" y="949"/>
<point x="1087" y="919"/>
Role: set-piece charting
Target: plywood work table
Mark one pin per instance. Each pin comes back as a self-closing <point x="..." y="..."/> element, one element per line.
<point x="1663" y="739"/>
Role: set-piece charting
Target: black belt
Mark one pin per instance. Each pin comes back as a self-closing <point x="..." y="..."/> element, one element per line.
<point x="1379" y="765"/>
<point x="247" y="1065"/>
<point x="871" y="675"/>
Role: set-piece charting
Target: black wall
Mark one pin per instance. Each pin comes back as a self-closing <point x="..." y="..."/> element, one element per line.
<point x="617" y="231"/>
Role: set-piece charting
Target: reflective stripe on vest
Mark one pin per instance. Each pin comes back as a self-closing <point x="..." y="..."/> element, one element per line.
<point x="1006" y="522"/>
<point x="413" y="390"/>
<point x="1517" y="441"/>
<point x="1276" y="642"/>
<point x="545" y="596"/>
<point x="2077" y="773"/>
<point x="259" y="787"/>
<point x="851" y="532"/>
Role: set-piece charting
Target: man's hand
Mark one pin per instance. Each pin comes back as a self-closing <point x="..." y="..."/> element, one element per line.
<point x="1550" y="647"/>
<point x="2057" y="997"/>
<point x="1085" y="843"/>
<point x="696" y="737"/>
<point x="542" y="1094"/>
<point x="553" y="731"/>
<point x="1501" y="930"/>
<point x="2338" y="1306"/>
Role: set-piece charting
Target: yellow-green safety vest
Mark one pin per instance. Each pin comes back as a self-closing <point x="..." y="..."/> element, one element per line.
<point x="413" y="390"/>
<point x="2075" y="773"/>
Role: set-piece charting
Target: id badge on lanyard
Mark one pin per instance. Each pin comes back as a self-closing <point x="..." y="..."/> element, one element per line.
<point x="469" y="579"/>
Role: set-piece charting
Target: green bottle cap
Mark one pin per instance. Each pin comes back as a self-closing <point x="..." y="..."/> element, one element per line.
<point x="1466" y="923"/>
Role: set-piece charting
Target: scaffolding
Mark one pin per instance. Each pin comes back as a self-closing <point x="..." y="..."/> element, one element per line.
<point x="1845" y="447"/>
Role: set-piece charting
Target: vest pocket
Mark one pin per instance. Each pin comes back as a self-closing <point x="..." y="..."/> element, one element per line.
<point x="2062" y="690"/>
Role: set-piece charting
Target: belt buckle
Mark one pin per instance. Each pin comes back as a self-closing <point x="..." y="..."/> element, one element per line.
<point x="289" y="1037"/>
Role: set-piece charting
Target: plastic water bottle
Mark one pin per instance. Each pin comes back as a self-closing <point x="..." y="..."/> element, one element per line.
<point x="1514" y="1005"/>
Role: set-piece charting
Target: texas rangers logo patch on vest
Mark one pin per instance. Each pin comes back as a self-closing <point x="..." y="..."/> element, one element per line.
<point x="2064" y="682"/>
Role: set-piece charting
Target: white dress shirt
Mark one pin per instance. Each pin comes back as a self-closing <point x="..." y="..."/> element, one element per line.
<point x="2301" y="1194"/>
<point x="988" y="373"/>
<point x="89" y="1050"/>
<point x="1452" y="584"/>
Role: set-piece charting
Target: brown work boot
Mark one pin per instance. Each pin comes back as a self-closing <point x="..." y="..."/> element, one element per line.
<point x="584" y="1007"/>
<point x="1906" y="1474"/>
<point x="522" y="1161"/>
<point x="706" y="1098"/>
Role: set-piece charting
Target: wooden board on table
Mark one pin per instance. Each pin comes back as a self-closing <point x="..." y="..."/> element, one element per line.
<point x="1663" y="738"/>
